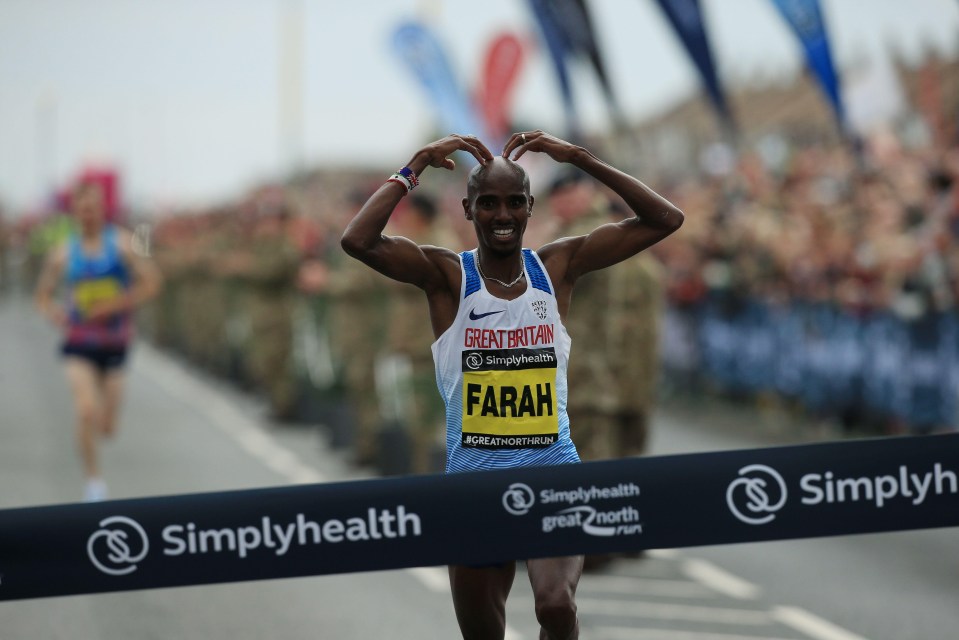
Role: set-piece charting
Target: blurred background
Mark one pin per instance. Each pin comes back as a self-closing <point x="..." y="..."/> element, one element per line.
<point x="811" y="293"/>
<point x="813" y="147"/>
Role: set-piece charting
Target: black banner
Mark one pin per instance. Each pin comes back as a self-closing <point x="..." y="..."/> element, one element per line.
<point x="830" y="489"/>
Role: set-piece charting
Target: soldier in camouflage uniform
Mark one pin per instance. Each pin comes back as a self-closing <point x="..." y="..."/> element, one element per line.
<point x="217" y="294"/>
<point x="357" y="323"/>
<point x="5" y="236"/>
<point x="610" y="369"/>
<point x="410" y="336"/>
<point x="207" y="322"/>
<point x="633" y="315"/>
<point x="575" y="202"/>
<point x="268" y="266"/>
<point x="176" y="255"/>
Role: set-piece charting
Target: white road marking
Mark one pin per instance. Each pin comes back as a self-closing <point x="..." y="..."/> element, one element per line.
<point x="249" y="436"/>
<point x="512" y="634"/>
<point x="226" y="417"/>
<point x="433" y="578"/>
<point x="708" y="574"/>
<point x="669" y="611"/>
<point x="812" y="625"/>
<point x="624" y="585"/>
<point x="628" y="633"/>
<point x="437" y="579"/>
<point x="665" y="554"/>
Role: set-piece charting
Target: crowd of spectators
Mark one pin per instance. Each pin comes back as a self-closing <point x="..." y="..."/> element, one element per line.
<point x="830" y="279"/>
<point x="824" y="276"/>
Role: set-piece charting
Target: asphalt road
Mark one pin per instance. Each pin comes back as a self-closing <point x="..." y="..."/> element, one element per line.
<point x="185" y="432"/>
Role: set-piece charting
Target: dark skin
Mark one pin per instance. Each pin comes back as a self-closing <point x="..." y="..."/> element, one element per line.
<point x="499" y="206"/>
<point x="502" y="202"/>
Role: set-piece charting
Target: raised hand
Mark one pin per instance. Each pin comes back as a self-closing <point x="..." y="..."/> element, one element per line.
<point x="541" y="142"/>
<point x="436" y="154"/>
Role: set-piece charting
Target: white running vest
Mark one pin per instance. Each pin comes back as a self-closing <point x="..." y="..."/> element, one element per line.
<point x="501" y="370"/>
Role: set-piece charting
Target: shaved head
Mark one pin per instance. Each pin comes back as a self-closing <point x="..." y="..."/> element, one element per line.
<point x="498" y="167"/>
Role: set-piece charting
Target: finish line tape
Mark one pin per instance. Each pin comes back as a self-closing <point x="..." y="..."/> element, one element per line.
<point x="804" y="491"/>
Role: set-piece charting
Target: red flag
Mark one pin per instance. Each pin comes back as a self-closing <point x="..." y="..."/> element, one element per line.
<point x="504" y="58"/>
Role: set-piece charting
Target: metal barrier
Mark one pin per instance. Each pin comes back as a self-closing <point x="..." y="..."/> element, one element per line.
<point x="874" y="366"/>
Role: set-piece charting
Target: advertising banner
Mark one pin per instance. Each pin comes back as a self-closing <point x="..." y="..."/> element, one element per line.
<point x="477" y="518"/>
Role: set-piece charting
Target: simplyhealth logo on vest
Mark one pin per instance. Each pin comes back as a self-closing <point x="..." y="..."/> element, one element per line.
<point x="509" y="398"/>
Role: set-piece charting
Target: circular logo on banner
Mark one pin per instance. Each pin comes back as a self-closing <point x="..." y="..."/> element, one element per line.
<point x="474" y="361"/>
<point x="117" y="546"/>
<point x="757" y="495"/>
<point x="518" y="499"/>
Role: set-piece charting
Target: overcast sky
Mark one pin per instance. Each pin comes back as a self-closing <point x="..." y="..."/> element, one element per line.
<point x="182" y="95"/>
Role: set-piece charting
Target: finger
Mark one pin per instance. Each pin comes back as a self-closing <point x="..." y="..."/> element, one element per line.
<point x="520" y="143"/>
<point x="521" y="149"/>
<point x="477" y="148"/>
<point x="514" y="142"/>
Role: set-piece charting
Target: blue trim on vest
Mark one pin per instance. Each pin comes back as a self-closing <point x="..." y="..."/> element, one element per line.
<point x="472" y="275"/>
<point x="107" y="263"/>
<point x="537" y="279"/>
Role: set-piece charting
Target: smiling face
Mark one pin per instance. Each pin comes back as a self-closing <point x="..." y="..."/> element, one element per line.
<point x="499" y="204"/>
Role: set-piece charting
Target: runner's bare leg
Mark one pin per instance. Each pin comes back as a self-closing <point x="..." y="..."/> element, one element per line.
<point x="554" y="582"/>
<point x="479" y="599"/>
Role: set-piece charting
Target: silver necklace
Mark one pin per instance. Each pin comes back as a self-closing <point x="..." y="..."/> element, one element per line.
<point x="522" y="273"/>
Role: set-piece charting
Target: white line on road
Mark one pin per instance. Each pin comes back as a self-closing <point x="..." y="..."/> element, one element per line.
<point x="433" y="578"/>
<point x="249" y="436"/>
<point x="664" y="554"/>
<point x="812" y="625"/>
<point x="708" y="574"/>
<point x="512" y="634"/>
<point x="624" y="585"/>
<point x="227" y="418"/>
<point x="629" y="633"/>
<point x="437" y="579"/>
<point x="669" y="611"/>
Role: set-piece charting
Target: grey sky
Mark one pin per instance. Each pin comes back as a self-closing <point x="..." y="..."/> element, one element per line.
<point x="182" y="95"/>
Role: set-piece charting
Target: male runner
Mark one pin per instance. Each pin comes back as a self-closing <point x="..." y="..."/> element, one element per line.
<point x="497" y="301"/>
<point x="105" y="280"/>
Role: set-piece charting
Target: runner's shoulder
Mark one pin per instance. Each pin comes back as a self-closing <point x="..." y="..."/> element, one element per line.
<point x="447" y="262"/>
<point x="441" y="256"/>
